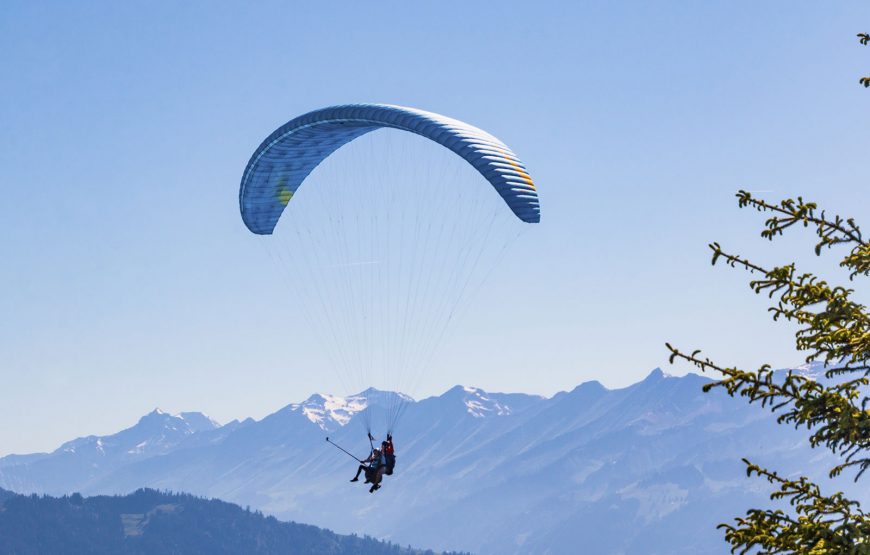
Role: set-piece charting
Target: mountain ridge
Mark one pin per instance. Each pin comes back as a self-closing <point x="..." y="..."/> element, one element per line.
<point x="484" y="472"/>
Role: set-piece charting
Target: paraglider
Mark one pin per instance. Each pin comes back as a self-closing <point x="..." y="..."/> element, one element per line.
<point x="286" y="157"/>
<point x="382" y="269"/>
<point x="380" y="462"/>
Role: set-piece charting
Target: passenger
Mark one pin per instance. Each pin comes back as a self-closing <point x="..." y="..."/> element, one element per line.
<point x="373" y="467"/>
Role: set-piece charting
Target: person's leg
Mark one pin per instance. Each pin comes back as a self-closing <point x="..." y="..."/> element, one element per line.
<point x="377" y="476"/>
<point x="358" y="470"/>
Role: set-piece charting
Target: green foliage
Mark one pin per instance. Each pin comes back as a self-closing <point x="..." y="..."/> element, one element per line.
<point x="864" y="39"/>
<point x="834" y="329"/>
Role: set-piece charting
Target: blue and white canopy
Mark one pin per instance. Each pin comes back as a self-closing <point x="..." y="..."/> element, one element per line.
<point x="283" y="161"/>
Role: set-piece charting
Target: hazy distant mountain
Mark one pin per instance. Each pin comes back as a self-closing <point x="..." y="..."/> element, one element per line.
<point x="85" y="459"/>
<point x="651" y="468"/>
<point x="151" y="522"/>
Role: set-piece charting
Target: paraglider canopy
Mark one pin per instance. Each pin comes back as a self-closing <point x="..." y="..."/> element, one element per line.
<point x="283" y="161"/>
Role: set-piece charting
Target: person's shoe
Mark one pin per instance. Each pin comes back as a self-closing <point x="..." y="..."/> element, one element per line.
<point x="355" y="480"/>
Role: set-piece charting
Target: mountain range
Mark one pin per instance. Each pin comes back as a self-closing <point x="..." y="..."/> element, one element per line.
<point x="650" y="468"/>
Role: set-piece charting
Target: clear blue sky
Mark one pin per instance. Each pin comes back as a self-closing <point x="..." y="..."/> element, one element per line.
<point x="129" y="281"/>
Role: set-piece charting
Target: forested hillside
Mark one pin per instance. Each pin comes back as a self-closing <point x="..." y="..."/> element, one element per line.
<point x="149" y="521"/>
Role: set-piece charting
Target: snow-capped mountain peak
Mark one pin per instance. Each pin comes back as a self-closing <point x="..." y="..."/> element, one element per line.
<point x="198" y="421"/>
<point x="330" y="412"/>
<point x="154" y="433"/>
<point x="480" y="404"/>
<point x="326" y="410"/>
<point x="184" y="422"/>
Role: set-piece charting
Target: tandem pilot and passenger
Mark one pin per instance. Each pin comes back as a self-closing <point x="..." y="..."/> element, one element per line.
<point x="379" y="463"/>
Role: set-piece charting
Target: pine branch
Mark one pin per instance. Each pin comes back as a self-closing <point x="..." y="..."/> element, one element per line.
<point x="822" y="525"/>
<point x="831" y="232"/>
<point x="834" y="328"/>
<point x="837" y="415"/>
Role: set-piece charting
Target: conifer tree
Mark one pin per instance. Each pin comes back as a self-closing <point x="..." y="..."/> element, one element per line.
<point x="835" y="329"/>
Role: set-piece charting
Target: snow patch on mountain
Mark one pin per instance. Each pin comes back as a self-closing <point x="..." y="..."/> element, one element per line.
<point x="139" y="448"/>
<point x="155" y="433"/>
<point x="480" y="405"/>
<point x="330" y="412"/>
<point x="198" y="421"/>
<point x="323" y="409"/>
